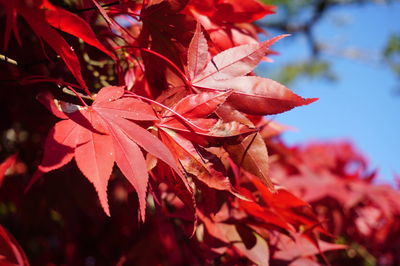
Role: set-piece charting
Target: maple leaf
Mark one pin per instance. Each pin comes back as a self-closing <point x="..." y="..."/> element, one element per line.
<point x="193" y="163"/>
<point x="190" y="134"/>
<point x="251" y="153"/>
<point x="237" y="11"/>
<point x="227" y="71"/>
<point x="233" y="234"/>
<point x="234" y="11"/>
<point x="73" y="24"/>
<point x="192" y="125"/>
<point x="194" y="118"/>
<point x="270" y="128"/>
<point x="281" y="209"/>
<point x="298" y="246"/>
<point x="100" y="134"/>
<point x="225" y="20"/>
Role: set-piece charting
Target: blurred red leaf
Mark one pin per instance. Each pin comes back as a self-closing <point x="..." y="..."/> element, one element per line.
<point x="4" y="166"/>
<point x="10" y="251"/>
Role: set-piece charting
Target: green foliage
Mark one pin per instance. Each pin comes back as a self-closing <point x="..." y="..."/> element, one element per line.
<point x="300" y="18"/>
<point x="391" y="53"/>
<point x="312" y="70"/>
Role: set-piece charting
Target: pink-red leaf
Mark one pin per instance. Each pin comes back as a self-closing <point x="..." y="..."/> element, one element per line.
<point x="60" y="145"/>
<point x="47" y="99"/>
<point x="108" y="101"/>
<point x="128" y="108"/>
<point x="5" y="165"/>
<point x="132" y="163"/>
<point x="11" y="252"/>
<point x="198" y="55"/>
<point x="72" y="24"/>
<point x="108" y="94"/>
<point x="260" y="96"/>
<point x="144" y="139"/>
<point x="227" y="233"/>
<point x="99" y="135"/>
<point x="94" y="156"/>
<point x="37" y="22"/>
<point x="252" y="155"/>
<point x="212" y="128"/>
<point x="299" y="246"/>
<point x="191" y="161"/>
<point x="200" y="105"/>
<point x="58" y="149"/>
<point x="239" y="11"/>
<point x="233" y="62"/>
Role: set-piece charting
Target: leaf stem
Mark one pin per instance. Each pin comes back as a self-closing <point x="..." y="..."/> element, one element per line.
<point x="93" y="8"/>
<point x="167" y="108"/>
<point x="39" y="78"/>
<point x="247" y="149"/>
<point x="34" y="79"/>
<point x="110" y="21"/>
<point x="167" y="60"/>
<point x="70" y="91"/>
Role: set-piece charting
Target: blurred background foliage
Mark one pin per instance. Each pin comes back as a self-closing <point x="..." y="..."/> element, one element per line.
<point x="301" y="17"/>
<point x="391" y="53"/>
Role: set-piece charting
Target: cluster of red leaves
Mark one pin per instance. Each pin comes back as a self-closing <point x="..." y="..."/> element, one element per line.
<point x="335" y="180"/>
<point x="171" y="99"/>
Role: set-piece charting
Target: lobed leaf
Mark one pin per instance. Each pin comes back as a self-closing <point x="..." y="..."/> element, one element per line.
<point x="191" y="161"/>
<point x="252" y="155"/>
<point x="132" y="163"/>
<point x="233" y="62"/>
<point x="94" y="155"/>
<point x="38" y="24"/>
<point x="108" y="94"/>
<point x="260" y="96"/>
<point x="72" y="24"/>
<point x="200" y="105"/>
<point x="198" y="55"/>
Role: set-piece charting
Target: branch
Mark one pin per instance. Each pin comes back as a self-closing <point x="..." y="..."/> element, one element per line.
<point x="320" y="7"/>
<point x="94" y="8"/>
<point x="8" y="60"/>
<point x="70" y="91"/>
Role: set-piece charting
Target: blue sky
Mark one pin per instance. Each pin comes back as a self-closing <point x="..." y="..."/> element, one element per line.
<point x="362" y="105"/>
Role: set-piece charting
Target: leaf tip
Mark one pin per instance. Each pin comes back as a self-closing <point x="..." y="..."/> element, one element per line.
<point x="36" y="176"/>
<point x="275" y="39"/>
<point x="310" y="100"/>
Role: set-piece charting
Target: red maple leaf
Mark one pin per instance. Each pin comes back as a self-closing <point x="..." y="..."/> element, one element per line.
<point x="101" y="134"/>
<point x="41" y="16"/>
<point x="229" y="70"/>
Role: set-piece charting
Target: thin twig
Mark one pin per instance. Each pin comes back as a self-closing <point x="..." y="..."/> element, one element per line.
<point x="77" y="94"/>
<point x="70" y="91"/>
<point x="187" y="121"/>
<point x="8" y="60"/>
<point x="167" y="60"/>
<point x="94" y="8"/>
